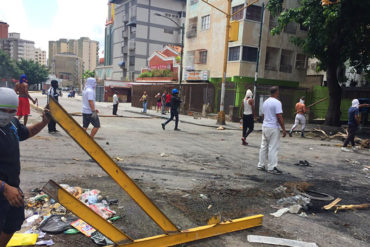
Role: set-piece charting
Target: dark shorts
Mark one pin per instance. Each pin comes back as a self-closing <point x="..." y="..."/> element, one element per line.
<point x="11" y="218"/>
<point x="87" y="119"/>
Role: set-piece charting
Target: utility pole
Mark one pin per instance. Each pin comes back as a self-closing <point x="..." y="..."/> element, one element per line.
<point x="258" y="53"/>
<point x="221" y="114"/>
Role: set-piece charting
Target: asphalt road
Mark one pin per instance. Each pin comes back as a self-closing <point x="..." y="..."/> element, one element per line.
<point x="202" y="160"/>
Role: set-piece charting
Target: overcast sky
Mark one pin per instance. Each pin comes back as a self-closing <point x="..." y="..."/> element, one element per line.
<point x="44" y="20"/>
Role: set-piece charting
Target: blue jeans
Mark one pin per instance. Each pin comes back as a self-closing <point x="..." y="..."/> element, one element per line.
<point x="145" y="106"/>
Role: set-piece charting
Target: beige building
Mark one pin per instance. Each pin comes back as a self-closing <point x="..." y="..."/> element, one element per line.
<point x="205" y="35"/>
<point x="68" y="68"/>
<point x="40" y="56"/>
<point x="18" y="48"/>
<point x="84" y="48"/>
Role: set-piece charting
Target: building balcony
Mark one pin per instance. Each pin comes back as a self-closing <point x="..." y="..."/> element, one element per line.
<point x="191" y="34"/>
<point x="285" y="68"/>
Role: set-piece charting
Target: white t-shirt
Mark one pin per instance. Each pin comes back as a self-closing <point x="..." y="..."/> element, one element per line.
<point x="88" y="94"/>
<point x="271" y="107"/>
<point x="115" y="99"/>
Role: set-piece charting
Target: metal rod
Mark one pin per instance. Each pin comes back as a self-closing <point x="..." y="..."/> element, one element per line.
<point x="258" y="52"/>
<point x="228" y="13"/>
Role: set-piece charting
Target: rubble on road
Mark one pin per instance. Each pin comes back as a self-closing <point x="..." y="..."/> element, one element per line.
<point x="279" y="241"/>
<point x="45" y="215"/>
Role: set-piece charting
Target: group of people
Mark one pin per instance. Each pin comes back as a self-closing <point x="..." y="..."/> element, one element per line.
<point x="163" y="102"/>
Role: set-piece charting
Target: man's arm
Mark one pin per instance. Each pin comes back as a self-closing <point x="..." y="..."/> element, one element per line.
<point x="92" y="106"/>
<point x="251" y="102"/>
<point x="241" y="110"/>
<point x="281" y="122"/>
<point x="36" y="128"/>
<point x="363" y="105"/>
<point x="29" y="96"/>
<point x="13" y="195"/>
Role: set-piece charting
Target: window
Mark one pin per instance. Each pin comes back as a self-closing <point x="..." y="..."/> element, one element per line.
<point x="240" y="14"/>
<point x="271" y="58"/>
<point x="203" y="57"/>
<point x="300" y="62"/>
<point x="132" y="61"/>
<point x="234" y="53"/>
<point x="291" y="28"/>
<point x="286" y="61"/>
<point x="273" y="22"/>
<point x="249" y="54"/>
<point x="254" y="13"/>
<point x="168" y="30"/>
<point x="206" y="22"/>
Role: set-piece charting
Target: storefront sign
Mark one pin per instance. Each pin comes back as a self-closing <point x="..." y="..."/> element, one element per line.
<point x="199" y="75"/>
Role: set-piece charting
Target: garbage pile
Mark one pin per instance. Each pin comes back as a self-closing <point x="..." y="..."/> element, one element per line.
<point x="44" y="215"/>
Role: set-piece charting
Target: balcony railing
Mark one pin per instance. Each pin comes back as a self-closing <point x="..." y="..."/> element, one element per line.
<point x="286" y="68"/>
<point x="191" y="34"/>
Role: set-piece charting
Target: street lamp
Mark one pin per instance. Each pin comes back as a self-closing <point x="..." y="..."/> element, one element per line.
<point x="182" y="28"/>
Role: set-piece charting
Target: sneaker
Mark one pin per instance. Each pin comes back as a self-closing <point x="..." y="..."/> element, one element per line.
<point x="163" y="126"/>
<point x="244" y="142"/>
<point x="275" y="171"/>
<point x="302" y="135"/>
<point x="354" y="149"/>
<point x="177" y="129"/>
<point x="345" y="149"/>
<point x="261" y="168"/>
<point x="290" y="134"/>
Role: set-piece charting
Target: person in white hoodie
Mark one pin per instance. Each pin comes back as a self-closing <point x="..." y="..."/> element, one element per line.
<point x="89" y="112"/>
<point x="249" y="114"/>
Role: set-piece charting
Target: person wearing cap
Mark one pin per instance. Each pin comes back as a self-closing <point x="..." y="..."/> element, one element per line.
<point x="300" y="109"/>
<point x="175" y="103"/>
<point x="11" y="133"/>
<point x="353" y="123"/>
<point x="89" y="112"/>
<point x="21" y="88"/>
<point x="249" y="114"/>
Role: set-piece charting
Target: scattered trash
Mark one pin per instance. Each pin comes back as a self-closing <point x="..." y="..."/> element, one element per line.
<point x="280" y="212"/>
<point x="303" y="214"/>
<point x="279" y="241"/>
<point x="23" y="239"/>
<point x="55" y="224"/>
<point x="280" y="191"/>
<point x="83" y="227"/>
<point x="115" y="218"/>
<point x="302" y="163"/>
<point x="332" y="204"/>
<point x="351" y="207"/>
<point x="118" y="158"/>
<point x="294" y="209"/>
<point x="164" y="155"/>
<point x="100" y="239"/>
<point x="293" y="200"/>
<point x="310" y="148"/>
<point x="45" y="242"/>
<point x="210" y="206"/>
<point x="113" y="201"/>
<point x="203" y="196"/>
<point x="221" y="128"/>
<point x="71" y="231"/>
<point x="107" y="143"/>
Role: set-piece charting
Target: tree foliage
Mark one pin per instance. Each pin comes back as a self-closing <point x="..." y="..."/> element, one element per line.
<point x="35" y="72"/>
<point x="88" y="74"/>
<point x="8" y="68"/>
<point x="336" y="33"/>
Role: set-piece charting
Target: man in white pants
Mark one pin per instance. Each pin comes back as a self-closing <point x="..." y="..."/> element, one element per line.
<point x="300" y="109"/>
<point x="273" y="118"/>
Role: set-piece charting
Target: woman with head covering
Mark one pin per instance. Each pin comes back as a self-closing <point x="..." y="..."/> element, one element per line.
<point x="353" y="122"/>
<point x="248" y="115"/>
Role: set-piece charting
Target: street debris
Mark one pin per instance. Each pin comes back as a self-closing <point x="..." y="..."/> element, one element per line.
<point x="221" y="128"/>
<point x="164" y="155"/>
<point x="280" y="212"/>
<point x="44" y="215"/>
<point x="332" y="204"/>
<point x="118" y="158"/>
<point x="302" y="163"/>
<point x="279" y="241"/>
<point x="203" y="196"/>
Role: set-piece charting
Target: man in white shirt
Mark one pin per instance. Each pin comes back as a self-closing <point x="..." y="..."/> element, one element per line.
<point x="115" y="104"/>
<point x="273" y="118"/>
<point x="89" y="112"/>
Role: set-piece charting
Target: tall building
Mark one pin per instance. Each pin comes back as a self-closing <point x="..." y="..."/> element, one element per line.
<point x="134" y="31"/>
<point x="40" y="56"/>
<point x="86" y="49"/>
<point x="68" y="67"/>
<point x="18" y="48"/>
<point x="4" y="30"/>
<point x="205" y="37"/>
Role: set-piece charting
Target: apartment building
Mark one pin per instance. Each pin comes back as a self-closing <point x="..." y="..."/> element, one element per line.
<point x="40" y="56"/>
<point x="205" y="37"/>
<point x="69" y="68"/>
<point x="134" y="30"/>
<point x="4" y="27"/>
<point x="86" y="49"/>
<point x="18" y="48"/>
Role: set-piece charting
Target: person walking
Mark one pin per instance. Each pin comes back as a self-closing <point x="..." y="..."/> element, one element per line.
<point x="144" y="99"/>
<point x="249" y="114"/>
<point x="21" y="88"/>
<point x="353" y="123"/>
<point x="159" y="101"/>
<point x="300" y="109"/>
<point x="164" y="102"/>
<point x="115" y="104"/>
<point x="273" y="117"/>
<point x="175" y="103"/>
<point x="11" y="133"/>
<point x="53" y="92"/>
<point x="89" y="111"/>
<point x="168" y="102"/>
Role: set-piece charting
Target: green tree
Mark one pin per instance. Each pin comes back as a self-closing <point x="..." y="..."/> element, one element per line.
<point x="8" y="68"/>
<point x="88" y="74"/>
<point x="336" y="33"/>
<point x="35" y="72"/>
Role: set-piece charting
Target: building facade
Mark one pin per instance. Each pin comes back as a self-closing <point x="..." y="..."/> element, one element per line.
<point x="134" y="31"/>
<point x="18" y="48"/>
<point x="40" y="56"/>
<point x="205" y="37"/>
<point x="4" y="27"/>
<point x="86" y="49"/>
<point x="68" y="68"/>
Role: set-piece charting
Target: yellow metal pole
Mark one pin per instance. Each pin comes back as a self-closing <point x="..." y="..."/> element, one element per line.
<point x="221" y="114"/>
<point x="109" y="166"/>
<point x="85" y="213"/>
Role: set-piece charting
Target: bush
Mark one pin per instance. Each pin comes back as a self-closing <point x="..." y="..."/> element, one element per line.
<point x="157" y="73"/>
